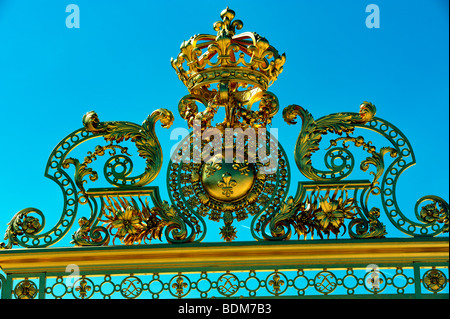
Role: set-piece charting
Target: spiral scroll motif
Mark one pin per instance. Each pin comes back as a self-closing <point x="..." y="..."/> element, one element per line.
<point x="117" y="169"/>
<point x="311" y="134"/>
<point x="432" y="219"/>
<point x="26" y="230"/>
<point x="56" y="172"/>
<point x="404" y="160"/>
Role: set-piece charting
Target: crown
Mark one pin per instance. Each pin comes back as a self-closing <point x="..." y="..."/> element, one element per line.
<point x="215" y="67"/>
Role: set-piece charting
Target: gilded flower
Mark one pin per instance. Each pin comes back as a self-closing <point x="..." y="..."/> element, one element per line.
<point x="127" y="222"/>
<point x="434" y="280"/>
<point x="26" y="289"/>
<point x="30" y="225"/>
<point x="429" y="213"/>
<point x="329" y="213"/>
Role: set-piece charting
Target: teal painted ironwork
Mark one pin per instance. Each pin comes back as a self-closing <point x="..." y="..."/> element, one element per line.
<point x="274" y="216"/>
<point x="219" y="176"/>
<point x="401" y="281"/>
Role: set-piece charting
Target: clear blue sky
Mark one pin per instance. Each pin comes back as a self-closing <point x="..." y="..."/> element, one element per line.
<point x="118" y="64"/>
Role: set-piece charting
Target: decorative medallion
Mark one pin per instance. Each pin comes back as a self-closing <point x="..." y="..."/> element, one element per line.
<point x="228" y="284"/>
<point x="325" y="282"/>
<point x="179" y="286"/>
<point x="229" y="190"/>
<point x="83" y="288"/>
<point x="131" y="287"/>
<point x="434" y="280"/>
<point x="26" y="289"/>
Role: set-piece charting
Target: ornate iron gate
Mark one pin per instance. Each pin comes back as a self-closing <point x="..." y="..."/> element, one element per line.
<point x="226" y="173"/>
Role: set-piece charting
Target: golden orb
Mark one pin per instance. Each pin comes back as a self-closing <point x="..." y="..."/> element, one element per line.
<point x="227" y="182"/>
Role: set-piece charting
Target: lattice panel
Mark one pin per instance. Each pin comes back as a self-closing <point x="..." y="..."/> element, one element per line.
<point x="316" y="283"/>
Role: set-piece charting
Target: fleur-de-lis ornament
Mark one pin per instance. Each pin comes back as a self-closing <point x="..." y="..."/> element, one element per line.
<point x="179" y="286"/>
<point x="227" y="184"/>
<point x="276" y="282"/>
<point x="83" y="288"/>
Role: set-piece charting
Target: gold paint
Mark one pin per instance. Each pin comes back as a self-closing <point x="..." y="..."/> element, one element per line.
<point x="226" y="256"/>
<point x="25" y="289"/>
<point x="229" y="70"/>
<point x="227" y="184"/>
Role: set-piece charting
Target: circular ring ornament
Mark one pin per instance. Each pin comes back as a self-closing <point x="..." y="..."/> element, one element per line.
<point x="277" y="283"/>
<point x="325" y="282"/>
<point x="375" y="281"/>
<point x="227" y="284"/>
<point x="25" y="289"/>
<point x="131" y="287"/>
<point x="434" y="280"/>
<point x="83" y="288"/>
<point x="224" y="188"/>
<point x="179" y="286"/>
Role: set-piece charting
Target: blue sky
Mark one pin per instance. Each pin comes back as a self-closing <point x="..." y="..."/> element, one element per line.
<point x="118" y="64"/>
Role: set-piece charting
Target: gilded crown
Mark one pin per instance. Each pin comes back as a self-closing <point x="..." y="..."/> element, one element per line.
<point x="246" y="62"/>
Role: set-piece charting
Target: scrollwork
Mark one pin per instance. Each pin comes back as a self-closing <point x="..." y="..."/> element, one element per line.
<point x="404" y="159"/>
<point x="23" y="225"/>
<point x="434" y="213"/>
<point x="312" y="130"/>
<point x="56" y="172"/>
<point x="143" y="136"/>
<point x="368" y="229"/>
<point x="87" y="235"/>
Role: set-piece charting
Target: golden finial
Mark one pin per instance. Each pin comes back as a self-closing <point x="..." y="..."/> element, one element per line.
<point x="225" y="27"/>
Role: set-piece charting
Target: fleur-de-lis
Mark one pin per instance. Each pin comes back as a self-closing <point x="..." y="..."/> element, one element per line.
<point x="374" y="280"/>
<point x="243" y="168"/>
<point x="179" y="286"/>
<point x="211" y="168"/>
<point x="227" y="184"/>
<point x="276" y="282"/>
<point x="83" y="288"/>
